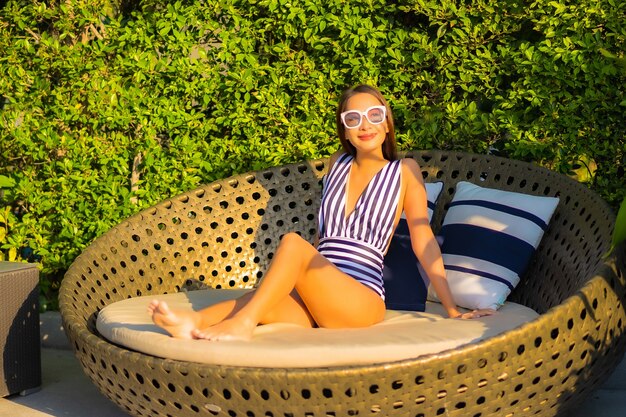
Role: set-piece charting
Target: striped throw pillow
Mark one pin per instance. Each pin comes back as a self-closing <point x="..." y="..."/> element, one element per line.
<point x="489" y="238"/>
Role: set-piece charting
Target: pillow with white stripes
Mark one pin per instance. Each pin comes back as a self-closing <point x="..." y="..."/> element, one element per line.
<point x="489" y="238"/>
<point x="405" y="286"/>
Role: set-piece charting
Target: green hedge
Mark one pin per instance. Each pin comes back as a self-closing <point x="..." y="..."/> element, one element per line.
<point x="107" y="107"/>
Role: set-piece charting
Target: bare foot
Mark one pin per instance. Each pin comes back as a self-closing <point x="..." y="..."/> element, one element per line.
<point x="230" y="329"/>
<point x="178" y="323"/>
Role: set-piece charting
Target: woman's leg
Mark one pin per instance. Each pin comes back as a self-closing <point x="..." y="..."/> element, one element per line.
<point x="181" y="323"/>
<point x="332" y="298"/>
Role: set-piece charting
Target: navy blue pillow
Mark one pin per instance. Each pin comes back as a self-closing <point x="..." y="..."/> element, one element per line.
<point x="406" y="287"/>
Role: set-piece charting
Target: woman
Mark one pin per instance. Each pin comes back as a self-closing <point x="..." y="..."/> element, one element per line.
<point x="338" y="282"/>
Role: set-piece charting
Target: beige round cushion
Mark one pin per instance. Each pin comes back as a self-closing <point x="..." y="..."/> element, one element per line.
<point x="402" y="335"/>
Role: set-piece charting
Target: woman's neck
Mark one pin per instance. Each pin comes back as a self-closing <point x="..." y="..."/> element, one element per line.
<point x="364" y="159"/>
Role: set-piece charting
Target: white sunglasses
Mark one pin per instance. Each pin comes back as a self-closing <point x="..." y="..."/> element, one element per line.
<point x="353" y="118"/>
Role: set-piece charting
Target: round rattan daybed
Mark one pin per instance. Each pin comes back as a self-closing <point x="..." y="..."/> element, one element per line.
<point x="223" y="235"/>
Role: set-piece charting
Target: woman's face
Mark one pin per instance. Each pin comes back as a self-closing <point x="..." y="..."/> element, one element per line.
<point x="368" y="136"/>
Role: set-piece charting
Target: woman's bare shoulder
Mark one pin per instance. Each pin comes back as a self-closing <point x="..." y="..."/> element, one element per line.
<point x="410" y="166"/>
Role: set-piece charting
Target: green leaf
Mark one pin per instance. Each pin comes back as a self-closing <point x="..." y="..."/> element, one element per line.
<point x="619" y="232"/>
<point x="6" y="182"/>
<point x="165" y="30"/>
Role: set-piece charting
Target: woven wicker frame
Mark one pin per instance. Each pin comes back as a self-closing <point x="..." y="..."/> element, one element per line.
<point x="20" y="363"/>
<point x="224" y="234"/>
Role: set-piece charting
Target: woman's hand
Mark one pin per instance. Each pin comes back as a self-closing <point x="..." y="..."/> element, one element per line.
<point x="474" y="314"/>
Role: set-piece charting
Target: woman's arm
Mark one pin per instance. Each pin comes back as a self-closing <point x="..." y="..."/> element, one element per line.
<point x="423" y="240"/>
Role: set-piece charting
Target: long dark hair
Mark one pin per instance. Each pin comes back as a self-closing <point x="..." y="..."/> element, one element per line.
<point x="390" y="151"/>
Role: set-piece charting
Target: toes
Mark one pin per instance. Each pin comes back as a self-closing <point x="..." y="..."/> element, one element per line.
<point x="198" y="334"/>
<point x="153" y="306"/>
<point x="163" y="308"/>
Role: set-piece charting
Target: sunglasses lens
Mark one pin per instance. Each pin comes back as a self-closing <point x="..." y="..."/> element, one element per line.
<point x="352" y="119"/>
<point x="376" y="115"/>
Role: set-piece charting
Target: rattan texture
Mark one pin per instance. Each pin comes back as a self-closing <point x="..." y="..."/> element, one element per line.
<point x="20" y="363"/>
<point x="224" y="235"/>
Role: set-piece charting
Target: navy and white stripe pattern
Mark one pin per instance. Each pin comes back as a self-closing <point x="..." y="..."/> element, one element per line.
<point x="490" y="237"/>
<point x="355" y="242"/>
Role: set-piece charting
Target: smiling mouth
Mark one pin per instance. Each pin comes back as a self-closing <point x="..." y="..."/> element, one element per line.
<point x="369" y="136"/>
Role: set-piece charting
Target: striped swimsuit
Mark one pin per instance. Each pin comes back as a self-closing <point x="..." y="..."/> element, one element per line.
<point x="356" y="243"/>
